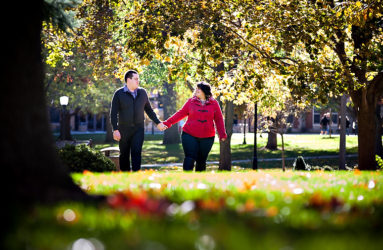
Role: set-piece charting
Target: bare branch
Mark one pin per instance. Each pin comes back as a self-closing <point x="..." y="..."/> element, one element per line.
<point x="264" y="54"/>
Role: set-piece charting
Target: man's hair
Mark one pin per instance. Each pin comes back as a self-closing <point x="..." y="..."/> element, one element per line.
<point x="129" y="74"/>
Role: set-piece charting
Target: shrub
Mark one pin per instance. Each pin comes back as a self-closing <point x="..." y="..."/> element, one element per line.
<point x="300" y="164"/>
<point x="379" y="161"/>
<point x="82" y="157"/>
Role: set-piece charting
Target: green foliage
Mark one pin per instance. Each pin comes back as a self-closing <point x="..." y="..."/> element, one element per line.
<point x="57" y="13"/>
<point x="379" y="161"/>
<point x="82" y="157"/>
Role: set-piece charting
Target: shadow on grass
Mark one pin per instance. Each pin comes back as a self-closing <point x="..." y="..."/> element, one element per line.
<point x="244" y="152"/>
<point x="154" y="152"/>
<point x="333" y="163"/>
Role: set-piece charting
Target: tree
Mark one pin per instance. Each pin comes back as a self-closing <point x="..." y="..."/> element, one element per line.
<point x="156" y="76"/>
<point x="328" y="48"/>
<point x="277" y="107"/>
<point x="156" y="23"/>
<point x="84" y="71"/>
<point x="379" y="127"/>
<point x="28" y="157"/>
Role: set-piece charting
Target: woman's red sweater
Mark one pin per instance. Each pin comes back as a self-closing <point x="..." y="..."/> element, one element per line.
<point x="201" y="118"/>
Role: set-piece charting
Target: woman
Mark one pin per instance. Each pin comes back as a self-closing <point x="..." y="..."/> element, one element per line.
<point x="198" y="132"/>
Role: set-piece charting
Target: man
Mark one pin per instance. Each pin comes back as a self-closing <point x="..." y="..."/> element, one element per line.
<point x="324" y="125"/>
<point x="127" y="119"/>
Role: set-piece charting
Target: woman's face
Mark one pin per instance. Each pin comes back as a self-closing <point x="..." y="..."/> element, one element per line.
<point x="199" y="93"/>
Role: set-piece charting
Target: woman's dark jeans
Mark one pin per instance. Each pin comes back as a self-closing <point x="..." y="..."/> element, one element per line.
<point x="196" y="149"/>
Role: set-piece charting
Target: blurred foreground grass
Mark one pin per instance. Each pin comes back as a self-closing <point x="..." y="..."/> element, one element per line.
<point x="242" y="209"/>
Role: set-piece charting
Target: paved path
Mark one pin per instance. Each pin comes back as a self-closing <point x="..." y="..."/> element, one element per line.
<point x="249" y="160"/>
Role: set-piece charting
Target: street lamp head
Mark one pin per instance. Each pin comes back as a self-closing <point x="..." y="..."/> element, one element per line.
<point x="64" y="100"/>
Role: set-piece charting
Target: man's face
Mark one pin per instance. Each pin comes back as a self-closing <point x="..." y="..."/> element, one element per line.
<point x="133" y="82"/>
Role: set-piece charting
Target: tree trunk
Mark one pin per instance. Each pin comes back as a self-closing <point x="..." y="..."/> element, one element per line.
<point x="28" y="157"/>
<point x="109" y="132"/>
<point x="379" y="123"/>
<point x="171" y="135"/>
<point x="225" y="146"/>
<point x="366" y="136"/>
<point x="342" y="140"/>
<point x="330" y="124"/>
<point x="272" y="141"/>
<point x="244" y="131"/>
<point x="283" y="154"/>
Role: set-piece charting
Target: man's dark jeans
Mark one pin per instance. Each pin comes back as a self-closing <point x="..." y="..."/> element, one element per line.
<point x="131" y="142"/>
<point x="196" y="149"/>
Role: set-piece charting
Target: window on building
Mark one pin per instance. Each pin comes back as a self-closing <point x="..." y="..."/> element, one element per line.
<point x="290" y="118"/>
<point x="334" y="118"/>
<point x="316" y="115"/>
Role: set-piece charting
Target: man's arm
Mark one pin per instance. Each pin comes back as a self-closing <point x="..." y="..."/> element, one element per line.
<point x="113" y="116"/>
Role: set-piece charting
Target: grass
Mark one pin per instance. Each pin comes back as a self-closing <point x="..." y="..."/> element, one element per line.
<point x="154" y="152"/>
<point x="242" y="209"/>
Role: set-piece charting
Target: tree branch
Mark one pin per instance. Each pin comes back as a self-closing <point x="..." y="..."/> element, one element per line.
<point x="264" y="54"/>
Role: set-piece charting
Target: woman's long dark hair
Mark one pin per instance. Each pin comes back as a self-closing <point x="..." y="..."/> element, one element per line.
<point x="206" y="89"/>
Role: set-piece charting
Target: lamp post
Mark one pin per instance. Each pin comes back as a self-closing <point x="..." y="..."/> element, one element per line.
<point x="255" y="159"/>
<point x="64" y="129"/>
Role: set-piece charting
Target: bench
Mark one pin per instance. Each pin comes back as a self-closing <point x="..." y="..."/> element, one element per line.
<point x="112" y="153"/>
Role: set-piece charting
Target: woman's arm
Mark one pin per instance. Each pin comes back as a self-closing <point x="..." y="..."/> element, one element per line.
<point x="178" y="116"/>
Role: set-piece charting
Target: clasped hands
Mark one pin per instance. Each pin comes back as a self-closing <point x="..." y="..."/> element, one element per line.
<point x="117" y="135"/>
<point x="161" y="126"/>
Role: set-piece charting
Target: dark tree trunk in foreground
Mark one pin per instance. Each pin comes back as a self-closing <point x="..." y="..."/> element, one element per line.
<point x="379" y="130"/>
<point x="225" y="146"/>
<point x="28" y="158"/>
<point x="171" y="135"/>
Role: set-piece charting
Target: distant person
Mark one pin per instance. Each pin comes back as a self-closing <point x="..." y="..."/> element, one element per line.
<point x="198" y="133"/>
<point x="355" y="127"/>
<point x="347" y="125"/>
<point x="324" y="123"/>
<point x="127" y="118"/>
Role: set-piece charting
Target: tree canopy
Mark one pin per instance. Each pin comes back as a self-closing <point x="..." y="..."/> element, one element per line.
<point x="319" y="48"/>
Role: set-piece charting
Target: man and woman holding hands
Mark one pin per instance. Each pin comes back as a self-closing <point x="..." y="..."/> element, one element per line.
<point x="127" y="118"/>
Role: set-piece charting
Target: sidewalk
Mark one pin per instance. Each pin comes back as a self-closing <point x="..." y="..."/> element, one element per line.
<point x="249" y="160"/>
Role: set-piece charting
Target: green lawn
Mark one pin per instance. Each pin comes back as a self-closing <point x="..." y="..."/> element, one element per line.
<point x="267" y="209"/>
<point x="295" y="145"/>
